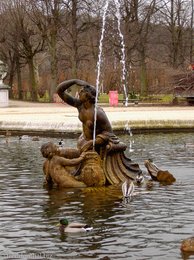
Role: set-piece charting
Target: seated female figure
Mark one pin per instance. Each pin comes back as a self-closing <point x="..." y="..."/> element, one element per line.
<point x="85" y="104"/>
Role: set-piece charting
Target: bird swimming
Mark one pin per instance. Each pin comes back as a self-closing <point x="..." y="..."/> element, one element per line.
<point x="75" y="227"/>
<point x="61" y="143"/>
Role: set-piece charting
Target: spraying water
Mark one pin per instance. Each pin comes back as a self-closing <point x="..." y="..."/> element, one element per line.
<point x="117" y="4"/>
<point x="118" y="15"/>
<point x="99" y="69"/>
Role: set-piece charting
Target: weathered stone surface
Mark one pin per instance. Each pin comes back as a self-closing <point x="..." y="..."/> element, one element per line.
<point x="187" y="245"/>
<point x="92" y="173"/>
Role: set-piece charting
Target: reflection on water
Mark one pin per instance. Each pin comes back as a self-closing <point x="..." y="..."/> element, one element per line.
<point x="152" y="226"/>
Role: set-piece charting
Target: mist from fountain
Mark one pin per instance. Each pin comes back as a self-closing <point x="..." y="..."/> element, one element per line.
<point x="99" y="68"/>
<point x="123" y="79"/>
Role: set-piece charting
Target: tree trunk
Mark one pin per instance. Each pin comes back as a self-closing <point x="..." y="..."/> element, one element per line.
<point x="19" y="80"/>
<point x="11" y="78"/>
<point x="143" y="74"/>
<point x="192" y="34"/>
<point x="32" y="79"/>
<point x="54" y="69"/>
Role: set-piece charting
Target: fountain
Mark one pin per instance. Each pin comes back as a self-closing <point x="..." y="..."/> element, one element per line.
<point x="100" y="157"/>
<point x="99" y="69"/>
<point x="29" y="212"/>
<point x="97" y="162"/>
<point x="117" y="4"/>
<point x="103" y="160"/>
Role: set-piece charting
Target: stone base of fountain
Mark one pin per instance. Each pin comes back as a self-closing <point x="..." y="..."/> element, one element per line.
<point x="107" y="165"/>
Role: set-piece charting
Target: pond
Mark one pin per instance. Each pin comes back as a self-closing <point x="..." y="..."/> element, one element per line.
<point x="151" y="226"/>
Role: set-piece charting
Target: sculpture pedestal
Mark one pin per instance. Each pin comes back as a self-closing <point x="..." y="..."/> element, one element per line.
<point x="92" y="173"/>
<point x="4" y="95"/>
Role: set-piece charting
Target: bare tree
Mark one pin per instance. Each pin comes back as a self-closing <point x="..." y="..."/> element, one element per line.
<point x="138" y="23"/>
<point x="174" y="16"/>
<point x="75" y="40"/>
<point x="46" y="17"/>
<point x="24" y="39"/>
<point x="191" y="33"/>
<point x="6" y="53"/>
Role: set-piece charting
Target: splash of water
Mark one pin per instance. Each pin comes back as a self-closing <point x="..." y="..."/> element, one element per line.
<point x="99" y="69"/>
<point x="118" y="15"/>
<point x="127" y="128"/>
<point x="117" y="4"/>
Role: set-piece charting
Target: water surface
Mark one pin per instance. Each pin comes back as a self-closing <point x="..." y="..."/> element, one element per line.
<point x="152" y="226"/>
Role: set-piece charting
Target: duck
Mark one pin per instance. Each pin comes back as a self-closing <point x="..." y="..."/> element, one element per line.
<point x="128" y="188"/>
<point x="35" y="138"/>
<point x="61" y="143"/>
<point x="74" y="227"/>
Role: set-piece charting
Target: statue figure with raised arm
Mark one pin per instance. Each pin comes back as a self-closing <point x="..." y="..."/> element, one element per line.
<point x="115" y="165"/>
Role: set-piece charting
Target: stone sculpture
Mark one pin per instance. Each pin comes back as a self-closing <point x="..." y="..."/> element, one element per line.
<point x="105" y="161"/>
<point x="157" y="174"/>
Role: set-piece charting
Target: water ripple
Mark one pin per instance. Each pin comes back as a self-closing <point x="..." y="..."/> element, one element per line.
<point x="152" y="226"/>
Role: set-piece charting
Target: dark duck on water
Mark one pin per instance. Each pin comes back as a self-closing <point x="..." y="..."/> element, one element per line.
<point x="75" y="227"/>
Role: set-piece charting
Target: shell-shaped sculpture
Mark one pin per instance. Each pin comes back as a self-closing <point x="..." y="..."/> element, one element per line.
<point x="116" y="165"/>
